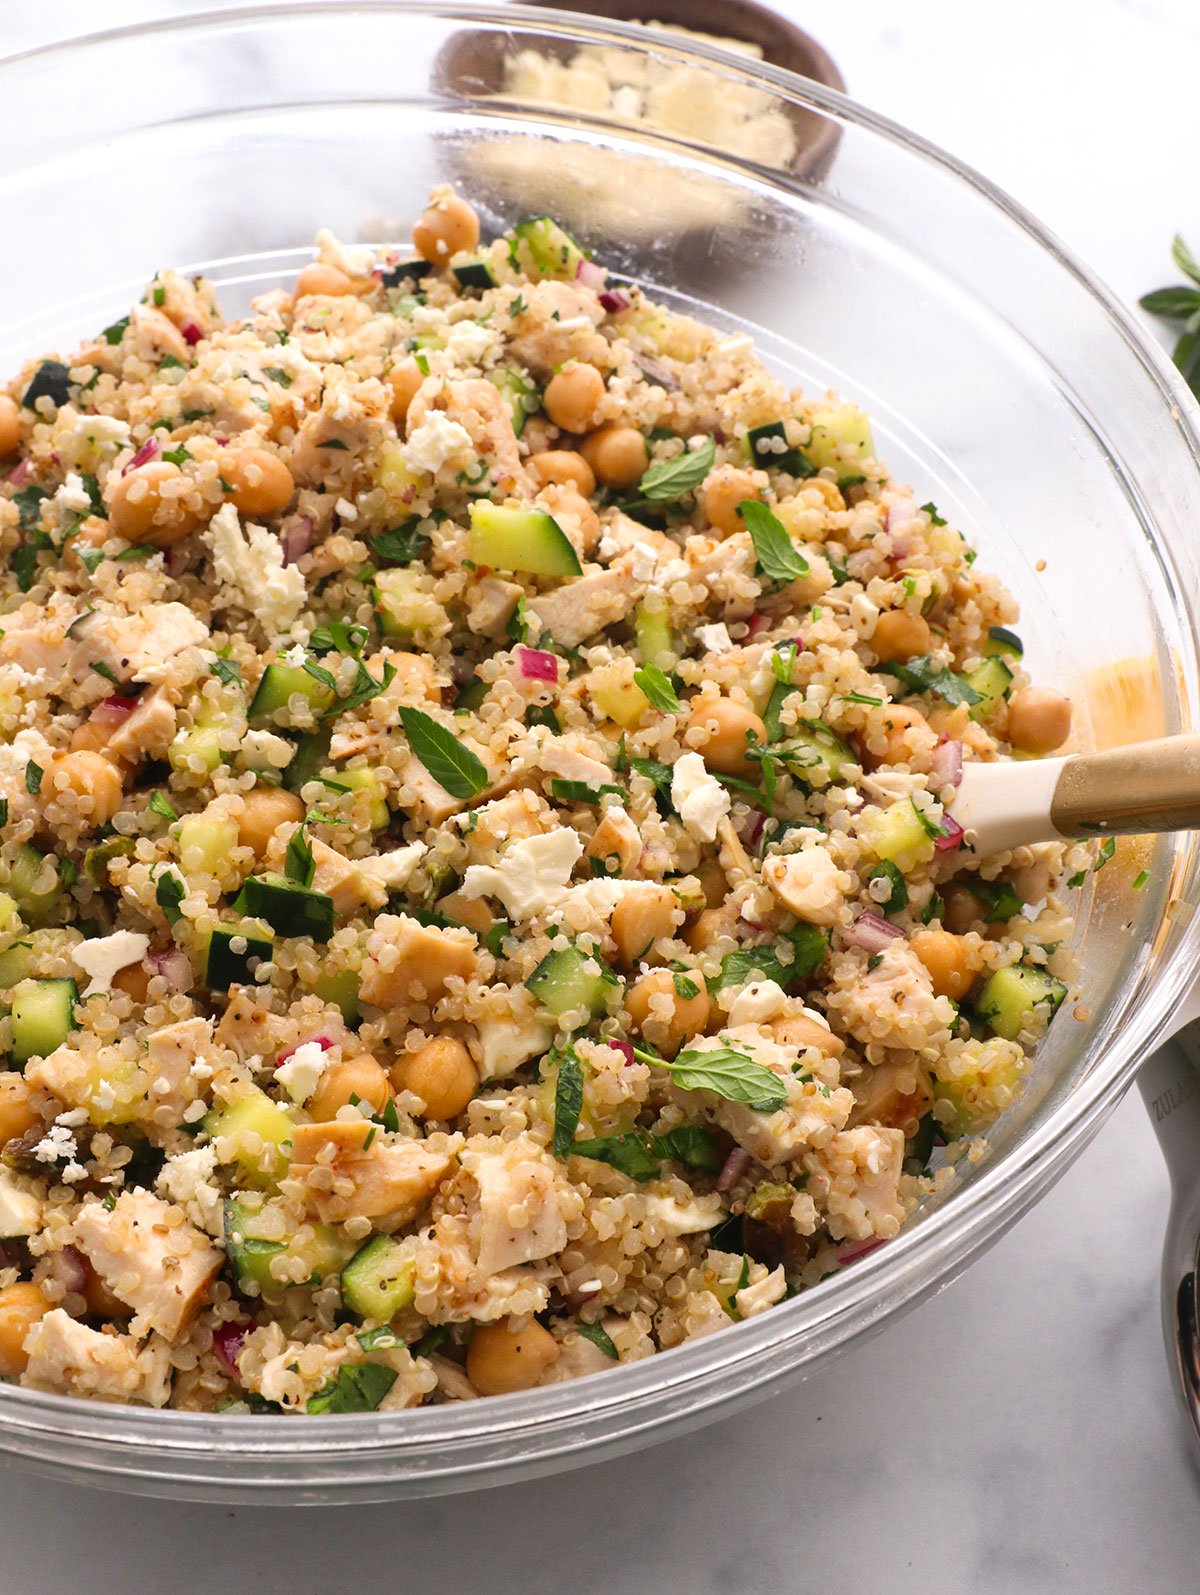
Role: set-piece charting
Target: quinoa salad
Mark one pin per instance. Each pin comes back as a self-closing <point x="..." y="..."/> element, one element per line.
<point x="480" y="898"/>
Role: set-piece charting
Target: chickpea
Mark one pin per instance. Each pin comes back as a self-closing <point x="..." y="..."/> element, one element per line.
<point x="133" y="980"/>
<point x="445" y="227"/>
<point x="900" y="635"/>
<point x="798" y="1030"/>
<point x="617" y="454"/>
<point x="318" y="278"/>
<point x="443" y="1074"/>
<point x="571" y="397"/>
<point x="21" y="1306"/>
<point x="729" y="725"/>
<point x="705" y="928"/>
<point x="951" y="962"/>
<point x="687" y="1016"/>
<point x="141" y="510"/>
<point x="262" y="815"/>
<point x="16" y="1112"/>
<point x="10" y="425"/>
<point x="724" y="490"/>
<point x="260" y="484"/>
<point x="962" y="908"/>
<point x="563" y="466"/>
<point x="641" y="919"/>
<point x="403" y="379"/>
<point x="362" y="1077"/>
<point x="1039" y="720"/>
<point x="900" y="720"/>
<point x="94" y="782"/>
<point x="501" y="1359"/>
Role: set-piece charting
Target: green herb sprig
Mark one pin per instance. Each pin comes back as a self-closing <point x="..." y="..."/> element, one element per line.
<point x="1181" y="304"/>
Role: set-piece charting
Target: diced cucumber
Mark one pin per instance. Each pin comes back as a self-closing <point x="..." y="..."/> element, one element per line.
<point x="225" y="965"/>
<point x="563" y="983"/>
<point x="519" y="394"/>
<point x="35" y="887"/>
<point x="814" y="748"/>
<point x="520" y="540"/>
<point x="475" y="273"/>
<point x="15" y="963"/>
<point x="404" y="271"/>
<point x="1002" y="641"/>
<point x="655" y="644"/>
<point x="289" y="908"/>
<point x="991" y="680"/>
<point x="250" y="1256"/>
<point x="841" y="434"/>
<point x="340" y="987"/>
<point x="372" y="782"/>
<point x="402" y="601"/>
<point x="1010" y="995"/>
<point x="544" y="249"/>
<point x="767" y="447"/>
<point x="897" y="835"/>
<point x="312" y="755"/>
<point x="201" y="743"/>
<point x="206" y="841"/>
<point x="260" y="1130"/>
<point x="43" y="1016"/>
<point x="280" y="684"/>
<point x="10" y="914"/>
<point x="378" y="1281"/>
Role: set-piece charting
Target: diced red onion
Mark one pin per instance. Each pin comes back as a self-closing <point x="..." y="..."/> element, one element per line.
<point x="20" y="474"/>
<point x="734" y="1166"/>
<point x="295" y="537"/>
<point x="757" y="623"/>
<point x="853" y="1253"/>
<point x="614" y="301"/>
<point x="656" y="372"/>
<point x="589" y="275"/>
<point x="753" y="828"/>
<point x="897" y="516"/>
<point x="901" y="549"/>
<point x="322" y="1041"/>
<point x="946" y="765"/>
<point x="118" y="705"/>
<point x="538" y="665"/>
<point x="872" y="933"/>
<point x="147" y="452"/>
<point x="626" y="1051"/>
<point x="174" y="967"/>
<point x="228" y="1342"/>
<point x="70" y="1269"/>
<point x="191" y="334"/>
<point x="953" y="837"/>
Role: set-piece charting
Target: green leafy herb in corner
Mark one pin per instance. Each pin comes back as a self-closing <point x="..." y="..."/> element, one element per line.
<point x="726" y="1073"/>
<point x="357" y="1387"/>
<point x="778" y="557"/>
<point x="168" y="894"/>
<point x="568" y="1100"/>
<point x="453" y="766"/>
<point x="227" y="671"/>
<point x="599" y="1336"/>
<point x="1181" y="304"/>
<point x="671" y="479"/>
<point x="298" y="863"/>
<point x="33" y="777"/>
<point x="922" y="675"/>
<point x="658" y="689"/>
<point x="160" y="804"/>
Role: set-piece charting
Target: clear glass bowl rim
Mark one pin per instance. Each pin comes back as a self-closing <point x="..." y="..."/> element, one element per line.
<point x="474" y="1443"/>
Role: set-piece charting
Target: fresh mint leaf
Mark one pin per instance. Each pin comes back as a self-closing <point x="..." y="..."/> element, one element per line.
<point x="778" y="557"/>
<point x="630" y="1154"/>
<point x="658" y="689"/>
<point x="452" y="765"/>
<point x="227" y="671"/>
<point x="726" y="1073"/>
<point x="692" y="1145"/>
<point x="357" y="1387"/>
<point x="922" y="675"/>
<point x="568" y="1101"/>
<point x="33" y="777"/>
<point x="160" y="804"/>
<point x="298" y="863"/>
<point x="364" y="689"/>
<point x="113" y="335"/>
<point x="671" y="479"/>
<point x="168" y="894"/>
<point x="806" y="944"/>
<point x="581" y="792"/>
<point x="1176" y="304"/>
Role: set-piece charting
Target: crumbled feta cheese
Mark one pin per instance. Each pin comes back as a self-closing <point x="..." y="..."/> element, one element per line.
<point x="393" y="869"/>
<point x="469" y="343"/>
<point x="715" y="638"/>
<point x="187" y="1178"/>
<point x="299" y="1075"/>
<point x="436" y="442"/>
<point x="699" y="798"/>
<point x="758" y="1002"/>
<point x="295" y="656"/>
<point x="644" y="562"/>
<point x="20" y="1209"/>
<point x="101" y="957"/>
<point x="531" y="876"/>
<point x="863" y="615"/>
<point x="73" y="496"/>
<point x="58" y="1142"/>
<point x="102" y="431"/>
<point x="250" y="564"/>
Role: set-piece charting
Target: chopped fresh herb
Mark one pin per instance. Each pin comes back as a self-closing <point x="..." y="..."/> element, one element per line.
<point x="179" y="456"/>
<point x="685" y="987"/>
<point x="778" y="557"/>
<point x="68" y="871"/>
<point x="91" y="558"/>
<point x="599" y="1336"/>
<point x="1105" y="851"/>
<point x="922" y="675"/>
<point x="692" y="1145"/>
<point x="168" y="894"/>
<point x="931" y="510"/>
<point x="1139" y="880"/>
<point x="897" y="897"/>
<point x="671" y="479"/>
<point x="341" y="636"/>
<point x="298" y="863"/>
<point x="1181" y="303"/>
<point x="113" y="335"/>
<point x="319" y="673"/>
<point x="357" y="1387"/>
<point x="841" y="573"/>
<point x="227" y="671"/>
<point x="430" y="1341"/>
<point x="518" y="621"/>
<point x="107" y="671"/>
<point x="29" y="503"/>
<point x="874" y="961"/>
<point x="581" y="792"/>
<point x="495" y="936"/>
<point x="928" y="824"/>
<point x="1075" y="881"/>
<point x="659" y="775"/>
<point x="278" y="374"/>
<point x="33" y="777"/>
<point x="160" y="803"/>
<point x="935" y="908"/>
<point x="383" y="1338"/>
<point x="52" y="381"/>
<point x="726" y="1073"/>
<point x="809" y="947"/>
<point x="160" y="295"/>
<point x="95" y="498"/>
<point x="629" y="1153"/>
<point x="658" y="689"/>
<point x="568" y="1101"/>
<point x="1000" y="899"/>
<point x="863" y="698"/>
<point x="3" y="811"/>
<point x="169" y="362"/>
<point x="364" y="689"/>
<point x="451" y="764"/>
<point x="783" y="657"/>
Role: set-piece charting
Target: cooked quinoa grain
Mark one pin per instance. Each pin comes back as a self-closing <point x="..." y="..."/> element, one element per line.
<point x="479" y="892"/>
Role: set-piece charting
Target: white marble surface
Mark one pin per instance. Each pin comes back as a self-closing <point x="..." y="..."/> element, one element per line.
<point x="1015" y="1435"/>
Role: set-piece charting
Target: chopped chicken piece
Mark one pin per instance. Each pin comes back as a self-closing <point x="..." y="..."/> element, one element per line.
<point x="68" y="1357"/>
<point x="384" y="1177"/>
<point x="148" y="1258"/>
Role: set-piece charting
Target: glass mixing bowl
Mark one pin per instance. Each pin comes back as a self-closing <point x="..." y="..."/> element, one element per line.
<point x="1002" y="379"/>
